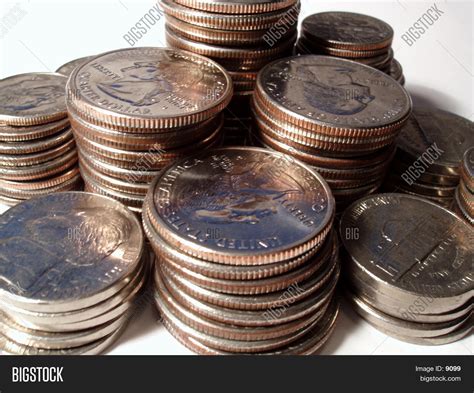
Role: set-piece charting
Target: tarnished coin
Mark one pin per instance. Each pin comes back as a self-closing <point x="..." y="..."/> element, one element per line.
<point x="347" y="30"/>
<point x="40" y="184"/>
<point x="237" y="7"/>
<point x="260" y="206"/>
<point x="219" y="52"/>
<point x="232" y="38"/>
<point x="326" y="93"/>
<point x="407" y="247"/>
<point x="97" y="244"/>
<point x="39" y="171"/>
<point x="28" y="160"/>
<point x="30" y="133"/>
<point x="437" y="139"/>
<point x="148" y="88"/>
<point x="224" y="21"/>
<point x="70" y="66"/>
<point x="32" y="99"/>
<point x="47" y="340"/>
<point x="28" y="147"/>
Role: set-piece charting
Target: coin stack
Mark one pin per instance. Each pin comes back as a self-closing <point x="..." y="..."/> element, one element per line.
<point x="37" y="149"/>
<point x="246" y="257"/>
<point x="242" y="36"/>
<point x="134" y="111"/>
<point x="408" y="266"/>
<point x="429" y="153"/>
<point x="351" y="36"/>
<point x="464" y="196"/>
<point x="72" y="265"/>
<point x="311" y="108"/>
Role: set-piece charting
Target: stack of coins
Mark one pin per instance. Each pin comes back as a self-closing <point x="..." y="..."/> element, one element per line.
<point x="70" y="66"/>
<point x="242" y="36"/>
<point x="37" y="150"/>
<point x="246" y="258"/>
<point x="71" y="267"/>
<point x="134" y="111"/>
<point x="464" y="196"/>
<point x="312" y="108"/>
<point x="352" y="36"/>
<point x="408" y="265"/>
<point x="429" y="153"/>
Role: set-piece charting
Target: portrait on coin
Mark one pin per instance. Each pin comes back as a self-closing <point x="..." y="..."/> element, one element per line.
<point x="145" y="83"/>
<point x="24" y="95"/>
<point x="54" y="250"/>
<point x="332" y="89"/>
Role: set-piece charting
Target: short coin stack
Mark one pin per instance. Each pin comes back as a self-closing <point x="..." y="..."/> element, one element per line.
<point x="464" y="195"/>
<point x="312" y="108"/>
<point x="246" y="258"/>
<point x="71" y="267"/>
<point x="351" y="36"/>
<point x="133" y="111"/>
<point x="242" y="35"/>
<point x="429" y="153"/>
<point x="37" y="149"/>
<point x="408" y="266"/>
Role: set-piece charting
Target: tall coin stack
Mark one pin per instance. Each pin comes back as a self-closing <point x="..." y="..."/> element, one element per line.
<point x="312" y="108"/>
<point x="71" y="267"/>
<point x="351" y="36"/>
<point x="37" y="150"/>
<point x="429" y="153"/>
<point x="242" y="36"/>
<point x="246" y="255"/>
<point x="408" y="265"/>
<point x="464" y="196"/>
<point x="133" y="111"/>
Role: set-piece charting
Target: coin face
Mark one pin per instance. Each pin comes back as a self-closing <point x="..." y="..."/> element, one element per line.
<point x="236" y="204"/>
<point x="32" y="99"/>
<point x="348" y="30"/>
<point x="69" y="67"/>
<point x="410" y="244"/>
<point x="320" y="91"/>
<point x="438" y="133"/>
<point x="65" y="247"/>
<point x="149" y="88"/>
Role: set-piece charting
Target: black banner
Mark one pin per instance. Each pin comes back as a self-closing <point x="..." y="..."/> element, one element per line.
<point x="247" y="374"/>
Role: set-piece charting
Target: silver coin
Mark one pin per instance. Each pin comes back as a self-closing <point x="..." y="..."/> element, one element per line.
<point x="9" y="347"/>
<point x="407" y="247"/>
<point x="48" y="340"/>
<point x="55" y="321"/>
<point x="438" y="138"/>
<point x="32" y="99"/>
<point x="403" y="327"/>
<point x="98" y="243"/>
<point x="415" y="311"/>
<point x="70" y="66"/>
<point x="265" y="206"/>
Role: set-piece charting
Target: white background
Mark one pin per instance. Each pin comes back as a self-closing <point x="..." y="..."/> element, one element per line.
<point x="438" y="69"/>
